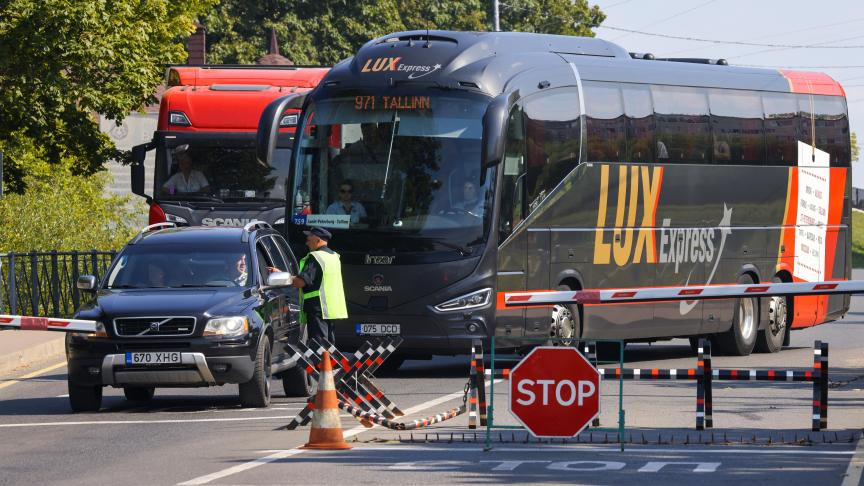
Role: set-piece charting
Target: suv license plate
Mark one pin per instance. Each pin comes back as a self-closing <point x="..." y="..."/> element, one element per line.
<point x="378" y="329"/>
<point x="156" y="358"/>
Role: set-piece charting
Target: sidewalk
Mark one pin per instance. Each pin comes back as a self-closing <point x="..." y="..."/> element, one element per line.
<point x="22" y="349"/>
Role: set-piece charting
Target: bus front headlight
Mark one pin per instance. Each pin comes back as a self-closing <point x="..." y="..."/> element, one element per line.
<point x="478" y="298"/>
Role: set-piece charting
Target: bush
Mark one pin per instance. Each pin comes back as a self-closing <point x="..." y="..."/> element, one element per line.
<point x="61" y="211"/>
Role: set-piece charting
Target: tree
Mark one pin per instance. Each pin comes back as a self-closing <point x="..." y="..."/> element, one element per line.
<point x="324" y="32"/>
<point x="856" y="150"/>
<point x="61" y="61"/>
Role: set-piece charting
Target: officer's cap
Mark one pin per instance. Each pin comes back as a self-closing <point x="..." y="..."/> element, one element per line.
<point x="319" y="232"/>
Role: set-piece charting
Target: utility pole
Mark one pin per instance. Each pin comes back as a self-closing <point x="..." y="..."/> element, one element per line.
<point x="496" y="16"/>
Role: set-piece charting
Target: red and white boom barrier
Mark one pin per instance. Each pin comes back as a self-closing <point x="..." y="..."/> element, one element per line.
<point x="648" y="294"/>
<point x="27" y="323"/>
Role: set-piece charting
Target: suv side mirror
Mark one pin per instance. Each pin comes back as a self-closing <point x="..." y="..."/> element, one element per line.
<point x="86" y="282"/>
<point x="137" y="171"/>
<point x="279" y="279"/>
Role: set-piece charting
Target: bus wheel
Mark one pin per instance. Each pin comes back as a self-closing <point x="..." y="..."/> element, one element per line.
<point x="772" y="337"/>
<point x="740" y="339"/>
<point x="565" y="322"/>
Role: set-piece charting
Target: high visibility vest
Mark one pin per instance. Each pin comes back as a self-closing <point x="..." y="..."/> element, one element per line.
<point x="330" y="293"/>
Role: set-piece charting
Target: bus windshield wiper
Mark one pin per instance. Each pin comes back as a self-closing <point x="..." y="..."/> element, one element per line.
<point x="390" y="153"/>
<point x="463" y="251"/>
<point x="194" y="197"/>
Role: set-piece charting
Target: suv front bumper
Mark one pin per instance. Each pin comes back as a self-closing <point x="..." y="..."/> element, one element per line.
<point x="193" y="371"/>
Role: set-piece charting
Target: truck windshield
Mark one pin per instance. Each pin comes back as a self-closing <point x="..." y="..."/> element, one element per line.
<point x="404" y="166"/>
<point x="218" y="170"/>
<point x="166" y="266"/>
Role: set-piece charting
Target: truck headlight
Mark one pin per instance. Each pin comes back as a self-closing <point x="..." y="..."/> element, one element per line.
<point x="171" y="218"/>
<point x="473" y="300"/>
<point x="226" y="326"/>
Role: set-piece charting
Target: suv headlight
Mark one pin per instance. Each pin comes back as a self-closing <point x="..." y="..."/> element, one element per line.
<point x="98" y="333"/>
<point x="226" y="326"/>
<point x="473" y="300"/>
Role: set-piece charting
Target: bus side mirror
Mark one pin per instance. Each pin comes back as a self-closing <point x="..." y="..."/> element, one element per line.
<point x="269" y="124"/>
<point x="494" y="129"/>
<point x="137" y="171"/>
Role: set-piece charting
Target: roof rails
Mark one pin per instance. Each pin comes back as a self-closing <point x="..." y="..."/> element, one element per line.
<point x="695" y="60"/>
<point x="252" y="226"/>
<point x="152" y="227"/>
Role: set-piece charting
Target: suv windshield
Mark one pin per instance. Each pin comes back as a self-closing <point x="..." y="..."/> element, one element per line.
<point x="217" y="169"/>
<point x="404" y="166"/>
<point x="164" y="266"/>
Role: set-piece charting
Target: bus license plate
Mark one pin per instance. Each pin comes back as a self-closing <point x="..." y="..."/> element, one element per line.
<point x="378" y="329"/>
<point x="156" y="358"/>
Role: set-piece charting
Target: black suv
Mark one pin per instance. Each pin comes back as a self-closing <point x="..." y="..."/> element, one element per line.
<point x="190" y="307"/>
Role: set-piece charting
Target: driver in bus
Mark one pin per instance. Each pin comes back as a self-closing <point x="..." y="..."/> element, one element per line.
<point x="186" y="180"/>
<point x="471" y="202"/>
<point x="346" y="205"/>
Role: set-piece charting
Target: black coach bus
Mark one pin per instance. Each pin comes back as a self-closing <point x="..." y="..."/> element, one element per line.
<point x="452" y="167"/>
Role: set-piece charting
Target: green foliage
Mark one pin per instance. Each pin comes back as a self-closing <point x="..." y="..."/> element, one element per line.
<point x="324" y="32"/>
<point x="856" y="150"/>
<point x="857" y="238"/>
<point x="61" y="211"/>
<point x="61" y="61"/>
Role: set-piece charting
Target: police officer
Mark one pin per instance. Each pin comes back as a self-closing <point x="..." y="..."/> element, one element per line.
<point x="322" y="297"/>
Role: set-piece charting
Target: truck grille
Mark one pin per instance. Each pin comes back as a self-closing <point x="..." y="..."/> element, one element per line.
<point x="154" y="326"/>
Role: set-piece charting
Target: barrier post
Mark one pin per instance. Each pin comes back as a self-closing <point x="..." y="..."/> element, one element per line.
<point x="817" y="386"/>
<point x="700" y="386"/>
<point x="708" y="384"/>
<point x="474" y="382"/>
<point x="13" y="286"/>
<point x="34" y="285"/>
<point x="590" y="352"/>
<point x="481" y="385"/>
<point x="823" y="381"/>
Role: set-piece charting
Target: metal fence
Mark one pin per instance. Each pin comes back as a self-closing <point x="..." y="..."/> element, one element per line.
<point x="43" y="283"/>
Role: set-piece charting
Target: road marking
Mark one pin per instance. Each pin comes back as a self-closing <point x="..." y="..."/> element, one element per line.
<point x="856" y="465"/>
<point x="461" y="448"/>
<point x="293" y="452"/>
<point x="146" y="422"/>
<point x="31" y="375"/>
<point x="65" y="395"/>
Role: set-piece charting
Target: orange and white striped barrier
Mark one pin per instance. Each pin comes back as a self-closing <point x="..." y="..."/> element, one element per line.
<point x="648" y="294"/>
<point x="28" y="323"/>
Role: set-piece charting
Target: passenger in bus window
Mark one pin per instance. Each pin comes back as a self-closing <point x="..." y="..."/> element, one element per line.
<point x="186" y="180"/>
<point x="346" y="204"/>
<point x="471" y="202"/>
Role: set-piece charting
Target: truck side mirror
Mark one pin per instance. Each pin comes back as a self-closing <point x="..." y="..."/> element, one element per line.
<point x="269" y="124"/>
<point x="494" y="130"/>
<point x="137" y="171"/>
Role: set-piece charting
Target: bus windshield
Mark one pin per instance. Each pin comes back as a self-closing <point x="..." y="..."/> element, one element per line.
<point x="405" y="166"/>
<point x="218" y="170"/>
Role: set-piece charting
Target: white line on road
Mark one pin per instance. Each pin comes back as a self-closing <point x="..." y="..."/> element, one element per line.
<point x="65" y="395"/>
<point x="31" y="375"/>
<point x="293" y="452"/>
<point x="460" y="449"/>
<point x="856" y="466"/>
<point x="146" y="422"/>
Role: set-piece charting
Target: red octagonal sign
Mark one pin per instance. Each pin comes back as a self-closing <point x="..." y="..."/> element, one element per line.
<point x="554" y="392"/>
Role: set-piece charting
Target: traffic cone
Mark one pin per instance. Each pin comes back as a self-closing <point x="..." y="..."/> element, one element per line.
<point x="326" y="430"/>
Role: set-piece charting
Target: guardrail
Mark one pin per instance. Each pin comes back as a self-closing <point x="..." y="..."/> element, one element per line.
<point x="43" y="283"/>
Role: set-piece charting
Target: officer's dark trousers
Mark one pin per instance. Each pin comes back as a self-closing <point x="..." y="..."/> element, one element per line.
<point x="320" y="329"/>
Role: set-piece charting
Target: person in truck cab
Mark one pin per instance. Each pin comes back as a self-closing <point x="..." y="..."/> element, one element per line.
<point x="187" y="180"/>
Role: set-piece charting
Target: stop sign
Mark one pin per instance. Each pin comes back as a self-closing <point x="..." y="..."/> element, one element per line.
<point x="554" y="392"/>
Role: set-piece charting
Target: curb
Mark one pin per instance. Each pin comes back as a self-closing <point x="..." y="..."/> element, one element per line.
<point x="51" y="350"/>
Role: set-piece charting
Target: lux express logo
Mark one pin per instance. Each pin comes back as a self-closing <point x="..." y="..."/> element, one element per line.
<point x="393" y="64"/>
<point x="634" y="239"/>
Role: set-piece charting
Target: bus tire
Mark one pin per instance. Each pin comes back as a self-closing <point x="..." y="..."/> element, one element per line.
<point x="740" y="339"/>
<point x="771" y="338"/>
<point x="565" y="327"/>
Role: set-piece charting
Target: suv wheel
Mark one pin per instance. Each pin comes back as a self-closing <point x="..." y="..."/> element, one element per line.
<point x="84" y="398"/>
<point x="256" y="392"/>
<point x="139" y="394"/>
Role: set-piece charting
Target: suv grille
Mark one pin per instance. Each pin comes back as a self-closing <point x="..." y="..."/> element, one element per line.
<point x="154" y="326"/>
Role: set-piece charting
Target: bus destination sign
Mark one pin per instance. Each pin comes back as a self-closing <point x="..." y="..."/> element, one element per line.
<point x="372" y="103"/>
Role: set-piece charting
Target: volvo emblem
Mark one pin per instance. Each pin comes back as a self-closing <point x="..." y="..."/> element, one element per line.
<point x="154" y="326"/>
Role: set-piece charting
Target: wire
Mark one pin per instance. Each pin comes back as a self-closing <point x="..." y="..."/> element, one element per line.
<point x="607" y="7"/>
<point x="800" y="67"/>
<point x="785" y="48"/>
<point x="673" y="16"/>
<point x="737" y="43"/>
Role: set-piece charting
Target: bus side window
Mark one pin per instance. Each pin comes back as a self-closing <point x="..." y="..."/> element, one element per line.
<point x="553" y="140"/>
<point x="832" y="129"/>
<point x="640" y="123"/>
<point x="781" y="131"/>
<point x="683" y="126"/>
<point x="736" y="125"/>
<point x="605" y="123"/>
<point x="513" y="185"/>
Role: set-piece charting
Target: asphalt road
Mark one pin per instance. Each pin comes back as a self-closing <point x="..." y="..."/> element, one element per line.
<point x="202" y="436"/>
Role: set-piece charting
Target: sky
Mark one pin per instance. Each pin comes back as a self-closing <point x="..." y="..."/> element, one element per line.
<point x="836" y="26"/>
